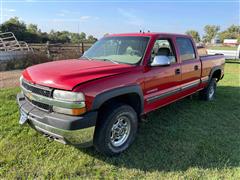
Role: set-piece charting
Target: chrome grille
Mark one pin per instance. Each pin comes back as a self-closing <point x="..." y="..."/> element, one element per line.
<point x="39" y="105"/>
<point x="39" y="90"/>
<point x="43" y="91"/>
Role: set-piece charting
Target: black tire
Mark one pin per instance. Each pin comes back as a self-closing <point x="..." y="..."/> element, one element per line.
<point x="209" y="92"/>
<point x="107" y="122"/>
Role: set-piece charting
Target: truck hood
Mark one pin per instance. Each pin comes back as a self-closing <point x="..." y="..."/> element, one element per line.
<point x="67" y="74"/>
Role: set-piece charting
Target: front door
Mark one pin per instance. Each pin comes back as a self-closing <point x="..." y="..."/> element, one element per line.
<point x="162" y="82"/>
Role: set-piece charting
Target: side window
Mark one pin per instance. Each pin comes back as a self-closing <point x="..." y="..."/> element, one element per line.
<point x="162" y="47"/>
<point x="186" y="49"/>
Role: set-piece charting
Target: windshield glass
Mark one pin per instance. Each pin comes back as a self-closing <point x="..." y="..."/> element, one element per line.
<point x="127" y="50"/>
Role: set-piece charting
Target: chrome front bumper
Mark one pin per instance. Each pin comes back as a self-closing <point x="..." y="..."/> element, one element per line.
<point x="62" y="128"/>
<point x="83" y="137"/>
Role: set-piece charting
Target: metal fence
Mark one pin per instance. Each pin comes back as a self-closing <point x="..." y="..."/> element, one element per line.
<point x="11" y="48"/>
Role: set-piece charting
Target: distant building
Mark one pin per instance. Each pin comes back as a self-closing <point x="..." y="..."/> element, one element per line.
<point x="232" y="42"/>
<point x="216" y="40"/>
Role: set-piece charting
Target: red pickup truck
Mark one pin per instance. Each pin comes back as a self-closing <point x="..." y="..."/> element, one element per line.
<point x="99" y="98"/>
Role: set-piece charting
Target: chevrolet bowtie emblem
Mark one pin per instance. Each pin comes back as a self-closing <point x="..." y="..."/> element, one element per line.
<point x="29" y="95"/>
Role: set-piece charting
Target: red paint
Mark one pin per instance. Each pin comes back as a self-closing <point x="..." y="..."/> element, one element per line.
<point x="95" y="77"/>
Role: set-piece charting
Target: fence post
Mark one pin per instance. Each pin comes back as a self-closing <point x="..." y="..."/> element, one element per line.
<point x="82" y="44"/>
<point x="47" y="49"/>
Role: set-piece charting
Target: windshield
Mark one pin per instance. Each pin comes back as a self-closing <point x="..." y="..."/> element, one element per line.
<point x="127" y="50"/>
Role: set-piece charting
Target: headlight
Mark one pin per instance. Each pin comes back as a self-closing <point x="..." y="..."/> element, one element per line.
<point x="20" y="79"/>
<point x="74" y="111"/>
<point x="68" y="96"/>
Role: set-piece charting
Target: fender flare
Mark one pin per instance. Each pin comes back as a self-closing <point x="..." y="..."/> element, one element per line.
<point x="107" y="95"/>
<point x="214" y="69"/>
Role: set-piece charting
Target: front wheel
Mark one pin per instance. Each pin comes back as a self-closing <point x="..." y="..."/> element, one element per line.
<point x="116" y="129"/>
<point x="209" y="92"/>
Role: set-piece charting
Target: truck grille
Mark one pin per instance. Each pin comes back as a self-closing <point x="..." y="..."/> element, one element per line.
<point x="40" y="105"/>
<point x="43" y="91"/>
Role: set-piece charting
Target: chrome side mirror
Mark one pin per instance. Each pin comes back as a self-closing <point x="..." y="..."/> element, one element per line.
<point x="161" y="61"/>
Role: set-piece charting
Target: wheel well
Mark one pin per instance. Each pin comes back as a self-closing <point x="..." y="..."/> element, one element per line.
<point x="217" y="74"/>
<point x="131" y="99"/>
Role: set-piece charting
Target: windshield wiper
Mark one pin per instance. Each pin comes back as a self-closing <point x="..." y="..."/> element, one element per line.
<point x="88" y="58"/>
<point x="110" y="60"/>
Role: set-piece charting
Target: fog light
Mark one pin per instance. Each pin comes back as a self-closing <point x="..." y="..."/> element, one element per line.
<point x="74" y="111"/>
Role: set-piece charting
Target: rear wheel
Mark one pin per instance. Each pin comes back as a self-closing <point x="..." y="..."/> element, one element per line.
<point x="209" y="92"/>
<point x="116" y="129"/>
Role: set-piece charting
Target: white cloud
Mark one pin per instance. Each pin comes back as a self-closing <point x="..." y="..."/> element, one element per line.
<point x="85" y="18"/>
<point x="9" y="10"/>
<point x="80" y="19"/>
<point x="61" y="14"/>
<point x="130" y="17"/>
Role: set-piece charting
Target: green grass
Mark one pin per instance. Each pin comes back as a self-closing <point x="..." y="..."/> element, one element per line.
<point x="190" y="139"/>
<point x="222" y="48"/>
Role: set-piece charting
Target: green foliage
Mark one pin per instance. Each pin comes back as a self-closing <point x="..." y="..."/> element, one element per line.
<point x="91" y="38"/>
<point x="26" y="61"/>
<point x="189" y="139"/>
<point x="16" y="26"/>
<point x="210" y="32"/>
<point x="32" y="34"/>
<point x="78" y="37"/>
<point x="33" y="28"/>
<point x="195" y="35"/>
<point x="233" y="32"/>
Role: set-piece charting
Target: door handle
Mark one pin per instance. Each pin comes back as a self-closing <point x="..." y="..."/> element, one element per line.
<point x="196" y="67"/>
<point x="177" y="71"/>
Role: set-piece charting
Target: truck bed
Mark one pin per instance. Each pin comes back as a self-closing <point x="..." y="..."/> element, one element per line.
<point x="210" y="61"/>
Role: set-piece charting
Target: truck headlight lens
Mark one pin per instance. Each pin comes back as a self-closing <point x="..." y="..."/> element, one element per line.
<point x="68" y="96"/>
<point x="73" y="112"/>
<point x="20" y="79"/>
<point x="74" y="97"/>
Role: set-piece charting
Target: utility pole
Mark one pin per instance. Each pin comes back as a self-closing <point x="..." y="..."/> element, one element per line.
<point x="1" y="9"/>
<point x="78" y="41"/>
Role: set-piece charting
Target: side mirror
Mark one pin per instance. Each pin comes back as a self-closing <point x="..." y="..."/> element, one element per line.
<point x="161" y="61"/>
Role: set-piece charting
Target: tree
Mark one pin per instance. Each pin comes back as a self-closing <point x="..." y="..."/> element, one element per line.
<point x="78" y="37"/>
<point x="91" y="38"/>
<point x="59" y="36"/>
<point x="17" y="27"/>
<point x="33" y="28"/>
<point x="233" y="32"/>
<point x="32" y="34"/>
<point x="210" y="32"/>
<point x="194" y="34"/>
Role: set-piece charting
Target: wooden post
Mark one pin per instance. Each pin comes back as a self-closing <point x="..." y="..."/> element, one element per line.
<point x="82" y="47"/>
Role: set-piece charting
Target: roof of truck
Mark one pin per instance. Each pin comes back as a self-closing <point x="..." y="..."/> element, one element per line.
<point x="147" y="34"/>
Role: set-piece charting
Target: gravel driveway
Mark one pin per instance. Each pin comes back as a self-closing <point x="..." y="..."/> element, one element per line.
<point x="9" y="79"/>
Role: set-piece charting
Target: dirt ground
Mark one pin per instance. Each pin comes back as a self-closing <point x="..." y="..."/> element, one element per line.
<point x="9" y="79"/>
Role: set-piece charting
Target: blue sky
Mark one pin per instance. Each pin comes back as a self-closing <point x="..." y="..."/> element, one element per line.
<point x="98" y="17"/>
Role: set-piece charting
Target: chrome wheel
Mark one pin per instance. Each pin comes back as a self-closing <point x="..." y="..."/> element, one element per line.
<point x="211" y="91"/>
<point x="120" y="131"/>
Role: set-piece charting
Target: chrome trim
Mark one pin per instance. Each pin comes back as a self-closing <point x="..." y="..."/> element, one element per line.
<point x="44" y="88"/>
<point x="189" y="86"/>
<point x="161" y="96"/>
<point x="177" y="90"/>
<point x="82" y="137"/>
<point x="51" y="101"/>
<point x="205" y="79"/>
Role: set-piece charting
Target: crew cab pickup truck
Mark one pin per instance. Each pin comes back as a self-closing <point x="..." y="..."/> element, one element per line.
<point x="99" y="98"/>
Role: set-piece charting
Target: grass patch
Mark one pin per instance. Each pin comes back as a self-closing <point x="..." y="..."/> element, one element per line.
<point x="189" y="139"/>
<point x="222" y="48"/>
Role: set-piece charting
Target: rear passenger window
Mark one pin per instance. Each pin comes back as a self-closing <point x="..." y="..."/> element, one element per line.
<point x="186" y="49"/>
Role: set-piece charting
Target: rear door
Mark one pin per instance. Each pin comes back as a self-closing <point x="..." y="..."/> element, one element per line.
<point x="190" y="65"/>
